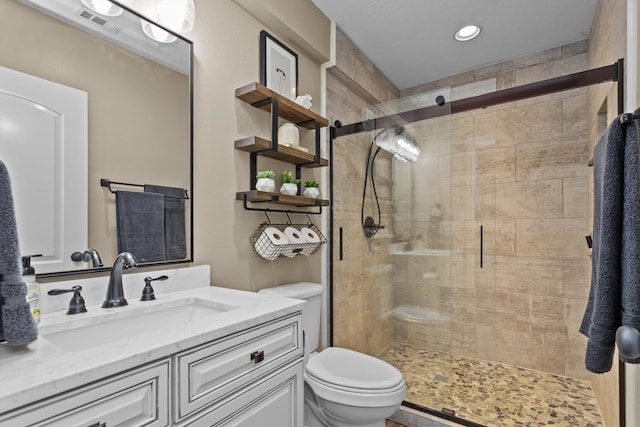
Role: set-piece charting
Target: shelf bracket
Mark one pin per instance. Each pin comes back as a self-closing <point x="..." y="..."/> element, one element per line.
<point x="253" y="170"/>
<point x="274" y="124"/>
<point x="317" y="130"/>
<point x="274" y="198"/>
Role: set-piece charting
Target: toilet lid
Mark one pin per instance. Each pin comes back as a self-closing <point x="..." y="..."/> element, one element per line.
<point x="348" y="368"/>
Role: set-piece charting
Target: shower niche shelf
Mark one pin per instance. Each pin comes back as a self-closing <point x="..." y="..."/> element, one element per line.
<point x="263" y="98"/>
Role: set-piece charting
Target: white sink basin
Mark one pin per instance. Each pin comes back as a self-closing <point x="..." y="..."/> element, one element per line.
<point x="115" y="326"/>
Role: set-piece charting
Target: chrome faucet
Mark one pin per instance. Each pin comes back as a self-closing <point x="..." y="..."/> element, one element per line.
<point x="115" y="294"/>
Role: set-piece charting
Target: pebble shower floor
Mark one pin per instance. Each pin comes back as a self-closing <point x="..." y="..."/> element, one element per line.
<point x="492" y="393"/>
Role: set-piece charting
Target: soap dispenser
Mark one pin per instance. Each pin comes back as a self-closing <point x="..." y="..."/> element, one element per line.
<point x="33" y="288"/>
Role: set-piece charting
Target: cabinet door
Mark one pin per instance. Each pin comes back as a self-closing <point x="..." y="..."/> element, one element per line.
<point x="136" y="398"/>
<point x="273" y="401"/>
<point x="211" y="372"/>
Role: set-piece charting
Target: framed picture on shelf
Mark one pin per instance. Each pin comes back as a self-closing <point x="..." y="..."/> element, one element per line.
<point x="278" y="66"/>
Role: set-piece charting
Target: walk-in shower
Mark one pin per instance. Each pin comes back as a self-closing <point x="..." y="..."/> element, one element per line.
<point x="468" y="269"/>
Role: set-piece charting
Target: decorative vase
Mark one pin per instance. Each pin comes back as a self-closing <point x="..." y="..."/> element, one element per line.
<point x="266" y="184"/>
<point x="289" y="189"/>
<point x="289" y="134"/>
<point x="311" y="192"/>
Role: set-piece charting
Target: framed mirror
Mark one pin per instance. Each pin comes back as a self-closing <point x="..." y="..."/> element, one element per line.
<point x="135" y="134"/>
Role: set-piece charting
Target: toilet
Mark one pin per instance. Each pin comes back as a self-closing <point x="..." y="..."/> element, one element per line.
<point x="342" y="388"/>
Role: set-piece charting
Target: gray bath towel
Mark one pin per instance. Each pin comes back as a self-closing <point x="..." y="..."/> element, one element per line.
<point x="614" y="298"/>
<point x="175" y="242"/>
<point x="630" y="272"/>
<point x="140" y="225"/>
<point x="17" y="325"/>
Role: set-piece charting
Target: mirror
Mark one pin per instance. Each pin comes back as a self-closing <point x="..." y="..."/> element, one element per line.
<point x="138" y="124"/>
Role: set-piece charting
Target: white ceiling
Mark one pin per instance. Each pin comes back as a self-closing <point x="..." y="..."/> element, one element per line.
<point x="411" y="41"/>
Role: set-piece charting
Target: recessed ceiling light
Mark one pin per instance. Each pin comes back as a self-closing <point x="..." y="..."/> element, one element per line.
<point x="467" y="33"/>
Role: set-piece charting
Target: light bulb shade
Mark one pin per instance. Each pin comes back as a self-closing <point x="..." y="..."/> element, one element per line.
<point x="177" y="15"/>
<point x="103" y="7"/>
<point x="156" y="33"/>
<point x="398" y="142"/>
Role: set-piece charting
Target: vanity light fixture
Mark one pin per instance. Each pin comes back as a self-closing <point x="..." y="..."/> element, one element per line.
<point x="466" y="33"/>
<point x="103" y="7"/>
<point x="156" y="33"/>
<point x="177" y="15"/>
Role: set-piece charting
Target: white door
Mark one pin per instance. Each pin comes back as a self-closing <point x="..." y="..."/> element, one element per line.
<point x="43" y="143"/>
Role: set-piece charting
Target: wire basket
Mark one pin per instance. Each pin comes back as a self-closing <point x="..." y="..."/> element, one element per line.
<point x="272" y="241"/>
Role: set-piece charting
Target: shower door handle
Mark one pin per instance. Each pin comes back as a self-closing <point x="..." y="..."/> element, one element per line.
<point x="481" y="244"/>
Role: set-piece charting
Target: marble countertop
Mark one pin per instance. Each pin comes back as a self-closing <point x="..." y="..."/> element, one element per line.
<point x="43" y="368"/>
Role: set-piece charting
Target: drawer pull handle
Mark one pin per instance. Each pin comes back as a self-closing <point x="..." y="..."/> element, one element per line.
<point x="257" y="356"/>
<point x="98" y="424"/>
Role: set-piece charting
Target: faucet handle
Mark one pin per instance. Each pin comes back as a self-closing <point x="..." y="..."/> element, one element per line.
<point x="147" y="292"/>
<point x="76" y="305"/>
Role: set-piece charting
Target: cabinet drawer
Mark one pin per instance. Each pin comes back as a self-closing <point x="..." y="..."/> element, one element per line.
<point x="136" y="398"/>
<point x="273" y="401"/>
<point x="210" y="372"/>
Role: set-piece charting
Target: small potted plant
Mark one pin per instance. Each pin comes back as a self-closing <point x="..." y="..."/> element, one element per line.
<point x="266" y="181"/>
<point x="289" y="184"/>
<point x="311" y="189"/>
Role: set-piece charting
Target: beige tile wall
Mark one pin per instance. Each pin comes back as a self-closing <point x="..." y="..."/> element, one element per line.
<point x="520" y="171"/>
<point x="362" y="281"/>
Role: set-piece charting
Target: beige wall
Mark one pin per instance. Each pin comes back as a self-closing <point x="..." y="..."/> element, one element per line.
<point x="607" y="43"/>
<point x="226" y="39"/>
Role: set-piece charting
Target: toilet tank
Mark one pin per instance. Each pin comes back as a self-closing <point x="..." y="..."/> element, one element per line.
<point x="311" y="293"/>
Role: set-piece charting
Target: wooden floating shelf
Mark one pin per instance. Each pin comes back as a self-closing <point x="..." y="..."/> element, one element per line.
<point x="288" y="109"/>
<point x="283" y="199"/>
<point x="254" y="144"/>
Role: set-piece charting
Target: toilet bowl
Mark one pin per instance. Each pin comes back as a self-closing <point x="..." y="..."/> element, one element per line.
<point x="342" y="388"/>
<point x="346" y="388"/>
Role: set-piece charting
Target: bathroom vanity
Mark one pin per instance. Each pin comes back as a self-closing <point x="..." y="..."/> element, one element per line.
<point x="201" y="356"/>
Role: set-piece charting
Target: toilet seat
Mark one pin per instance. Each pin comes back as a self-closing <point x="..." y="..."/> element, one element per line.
<point x="353" y="370"/>
<point x="352" y="378"/>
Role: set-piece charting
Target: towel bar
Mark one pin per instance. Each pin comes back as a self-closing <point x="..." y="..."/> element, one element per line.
<point x="107" y="184"/>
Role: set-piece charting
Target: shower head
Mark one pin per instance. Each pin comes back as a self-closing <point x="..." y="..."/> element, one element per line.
<point x="398" y="142"/>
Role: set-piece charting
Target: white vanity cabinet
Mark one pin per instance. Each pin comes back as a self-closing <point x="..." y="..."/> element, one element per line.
<point x="135" y="398"/>
<point x="206" y="376"/>
<point x="274" y="400"/>
<point x="253" y="377"/>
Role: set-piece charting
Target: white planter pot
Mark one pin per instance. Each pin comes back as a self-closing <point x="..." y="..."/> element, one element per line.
<point x="311" y="192"/>
<point x="289" y="189"/>
<point x="266" y="184"/>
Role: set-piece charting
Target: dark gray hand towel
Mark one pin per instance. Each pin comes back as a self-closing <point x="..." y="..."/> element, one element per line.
<point x="17" y="325"/>
<point x="602" y="314"/>
<point x="175" y="242"/>
<point x="140" y="225"/>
